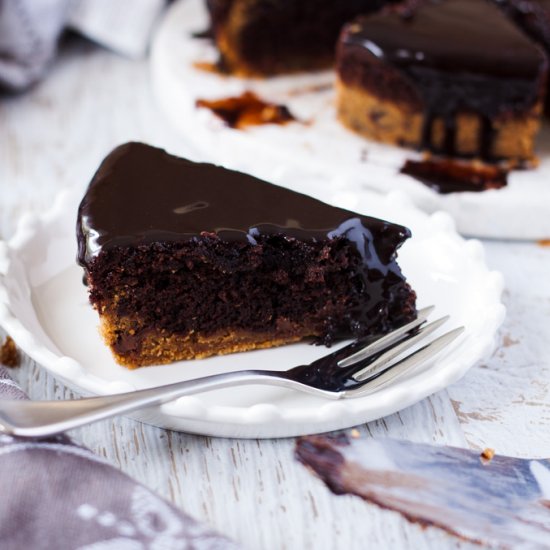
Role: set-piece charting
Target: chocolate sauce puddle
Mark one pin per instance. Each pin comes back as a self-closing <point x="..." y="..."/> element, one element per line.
<point x="454" y="176"/>
<point x="246" y="110"/>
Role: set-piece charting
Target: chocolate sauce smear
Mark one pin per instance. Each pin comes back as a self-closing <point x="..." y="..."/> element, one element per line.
<point x="500" y="504"/>
<point x="247" y="110"/>
<point x="453" y="176"/>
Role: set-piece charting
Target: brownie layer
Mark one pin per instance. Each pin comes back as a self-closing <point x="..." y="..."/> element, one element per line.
<point x="179" y="256"/>
<point x="420" y="66"/>
<point x="263" y="37"/>
<point x="184" y="300"/>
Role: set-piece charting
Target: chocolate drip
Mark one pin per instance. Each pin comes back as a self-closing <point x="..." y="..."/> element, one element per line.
<point x="427" y="125"/>
<point x="486" y="137"/>
<point x="450" y="134"/>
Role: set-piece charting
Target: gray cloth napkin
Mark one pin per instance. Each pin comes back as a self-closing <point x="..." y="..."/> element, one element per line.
<point x="55" y="494"/>
<point x="30" y="30"/>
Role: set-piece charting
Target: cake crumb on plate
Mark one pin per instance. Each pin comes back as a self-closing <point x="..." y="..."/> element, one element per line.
<point x="9" y="354"/>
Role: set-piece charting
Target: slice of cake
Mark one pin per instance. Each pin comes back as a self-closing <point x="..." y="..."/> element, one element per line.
<point x="186" y="260"/>
<point x="265" y="37"/>
<point x="452" y="76"/>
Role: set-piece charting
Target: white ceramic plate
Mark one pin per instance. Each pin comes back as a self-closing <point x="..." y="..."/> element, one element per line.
<point x="323" y="151"/>
<point x="44" y="306"/>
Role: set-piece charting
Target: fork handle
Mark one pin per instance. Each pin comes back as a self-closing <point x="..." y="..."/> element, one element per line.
<point x="39" y="419"/>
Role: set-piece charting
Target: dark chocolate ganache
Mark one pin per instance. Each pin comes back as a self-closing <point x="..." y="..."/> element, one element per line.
<point x="141" y="194"/>
<point x="457" y="56"/>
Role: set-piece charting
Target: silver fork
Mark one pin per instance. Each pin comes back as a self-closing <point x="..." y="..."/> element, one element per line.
<point x="356" y="370"/>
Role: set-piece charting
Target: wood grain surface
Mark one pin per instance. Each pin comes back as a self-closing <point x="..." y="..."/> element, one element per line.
<point x="254" y="491"/>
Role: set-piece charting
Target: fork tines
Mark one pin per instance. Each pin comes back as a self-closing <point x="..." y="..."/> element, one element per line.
<point x="384" y="350"/>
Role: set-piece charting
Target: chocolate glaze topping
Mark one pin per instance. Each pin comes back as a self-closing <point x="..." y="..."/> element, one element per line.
<point x="456" y="56"/>
<point x="141" y="194"/>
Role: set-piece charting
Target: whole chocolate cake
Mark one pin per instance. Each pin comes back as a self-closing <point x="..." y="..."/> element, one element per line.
<point x="451" y="76"/>
<point x="186" y="260"/>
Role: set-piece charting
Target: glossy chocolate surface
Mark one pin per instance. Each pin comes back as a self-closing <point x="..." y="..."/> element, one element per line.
<point x="454" y="56"/>
<point x="141" y="194"/>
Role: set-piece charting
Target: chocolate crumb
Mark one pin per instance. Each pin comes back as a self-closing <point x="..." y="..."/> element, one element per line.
<point x="487" y="455"/>
<point x="9" y="354"/>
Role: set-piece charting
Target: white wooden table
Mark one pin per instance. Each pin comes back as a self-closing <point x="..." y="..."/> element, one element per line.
<point x="255" y="491"/>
